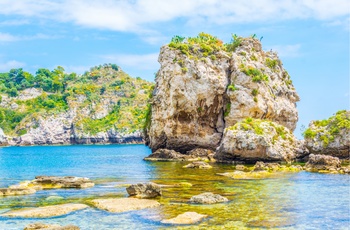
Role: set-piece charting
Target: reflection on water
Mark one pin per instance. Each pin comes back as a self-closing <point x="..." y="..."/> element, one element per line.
<point x="290" y="201"/>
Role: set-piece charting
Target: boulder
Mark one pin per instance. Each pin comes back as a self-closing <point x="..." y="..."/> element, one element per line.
<point x="144" y="190"/>
<point x="330" y="136"/>
<point x="124" y="204"/>
<point x="208" y="198"/>
<point x="43" y="226"/>
<point x="185" y="218"/>
<point x="45" y="212"/>
<point x="254" y="140"/>
<point x="322" y="162"/>
<point x="171" y="155"/>
<point x="198" y="164"/>
<point x="166" y="155"/>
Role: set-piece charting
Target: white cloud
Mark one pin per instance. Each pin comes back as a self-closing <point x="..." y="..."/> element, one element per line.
<point x="138" y="15"/>
<point x="14" y="22"/>
<point x="6" y="66"/>
<point x="287" y="50"/>
<point x="141" y="62"/>
<point x="5" y="37"/>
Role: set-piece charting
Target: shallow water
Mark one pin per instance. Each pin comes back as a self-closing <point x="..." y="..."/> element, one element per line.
<point x="291" y="201"/>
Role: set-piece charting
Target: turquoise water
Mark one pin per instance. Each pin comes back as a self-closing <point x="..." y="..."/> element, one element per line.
<point x="292" y="201"/>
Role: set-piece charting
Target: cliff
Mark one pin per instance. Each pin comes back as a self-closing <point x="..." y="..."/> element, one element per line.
<point x="330" y="136"/>
<point x="204" y="87"/>
<point x="104" y="105"/>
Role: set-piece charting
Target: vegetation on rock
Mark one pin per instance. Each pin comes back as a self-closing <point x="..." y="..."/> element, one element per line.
<point x="104" y="98"/>
<point x="327" y="129"/>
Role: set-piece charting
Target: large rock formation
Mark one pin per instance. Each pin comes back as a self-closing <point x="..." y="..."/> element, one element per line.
<point x="330" y="136"/>
<point x="203" y="87"/>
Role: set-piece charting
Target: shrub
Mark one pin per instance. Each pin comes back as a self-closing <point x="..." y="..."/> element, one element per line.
<point x="232" y="87"/>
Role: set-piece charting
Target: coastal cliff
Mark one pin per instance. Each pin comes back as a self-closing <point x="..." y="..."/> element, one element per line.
<point x="104" y="105"/>
<point x="204" y="87"/>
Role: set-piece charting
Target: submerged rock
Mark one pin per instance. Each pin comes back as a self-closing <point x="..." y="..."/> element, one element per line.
<point x="124" y="204"/>
<point x="239" y="175"/>
<point x="46" y="211"/>
<point x="43" y="226"/>
<point x="208" y="198"/>
<point x="16" y="191"/>
<point x="330" y="136"/>
<point x="322" y="162"/>
<point x="144" y="190"/>
<point x="252" y="140"/>
<point x="185" y="218"/>
<point x="198" y="164"/>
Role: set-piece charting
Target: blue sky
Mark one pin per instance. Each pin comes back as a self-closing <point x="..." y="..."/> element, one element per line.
<point x="311" y="37"/>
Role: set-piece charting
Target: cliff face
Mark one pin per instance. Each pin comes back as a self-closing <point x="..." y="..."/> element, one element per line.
<point x="104" y="105"/>
<point x="188" y="101"/>
<point x="203" y="87"/>
<point x="330" y="136"/>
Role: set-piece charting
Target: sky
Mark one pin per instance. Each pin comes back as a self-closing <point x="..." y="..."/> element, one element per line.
<point x="310" y="36"/>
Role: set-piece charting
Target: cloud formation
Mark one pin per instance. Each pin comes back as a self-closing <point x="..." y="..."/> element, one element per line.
<point x="137" y="15"/>
<point x="6" y="66"/>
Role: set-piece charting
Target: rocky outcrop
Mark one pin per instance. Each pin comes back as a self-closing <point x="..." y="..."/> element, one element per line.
<point x="185" y="218"/>
<point x="124" y="204"/>
<point x="252" y="140"/>
<point x="322" y="162"/>
<point x="144" y="190"/>
<point x="208" y="198"/>
<point x="47" y="182"/>
<point x="330" y="136"/>
<point x="203" y="87"/>
<point x="46" y="211"/>
<point x="43" y="226"/>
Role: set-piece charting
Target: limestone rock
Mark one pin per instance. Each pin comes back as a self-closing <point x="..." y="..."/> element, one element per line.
<point x="263" y="88"/>
<point x="166" y="155"/>
<point x="208" y="198"/>
<point x="172" y="155"/>
<point x="44" y="226"/>
<point x="46" y="211"/>
<point x="124" y="204"/>
<point x="16" y="191"/>
<point x="47" y="182"/>
<point x="196" y="96"/>
<point x="198" y="164"/>
<point x="252" y="140"/>
<point x="330" y="136"/>
<point x="322" y="162"/>
<point x="144" y="190"/>
<point x="185" y="218"/>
